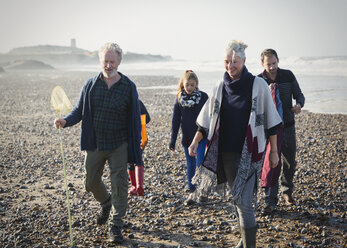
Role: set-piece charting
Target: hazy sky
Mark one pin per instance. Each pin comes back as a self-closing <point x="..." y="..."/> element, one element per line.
<point x="184" y="29"/>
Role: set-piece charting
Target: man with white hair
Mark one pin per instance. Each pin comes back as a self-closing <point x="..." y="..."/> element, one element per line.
<point x="111" y="131"/>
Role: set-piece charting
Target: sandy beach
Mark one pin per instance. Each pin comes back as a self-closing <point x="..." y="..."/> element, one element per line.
<point x="33" y="210"/>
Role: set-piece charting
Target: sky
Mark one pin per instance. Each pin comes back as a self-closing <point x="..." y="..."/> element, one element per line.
<point x="183" y="29"/>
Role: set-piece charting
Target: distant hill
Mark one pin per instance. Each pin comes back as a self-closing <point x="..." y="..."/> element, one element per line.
<point x="27" y="65"/>
<point x="136" y="57"/>
<point x="64" y="55"/>
<point x="46" y="49"/>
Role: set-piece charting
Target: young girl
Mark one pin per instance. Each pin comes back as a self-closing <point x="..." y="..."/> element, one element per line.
<point x="136" y="172"/>
<point x="187" y="107"/>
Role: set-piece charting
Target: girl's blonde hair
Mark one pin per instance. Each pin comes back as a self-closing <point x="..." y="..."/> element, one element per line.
<point x="188" y="75"/>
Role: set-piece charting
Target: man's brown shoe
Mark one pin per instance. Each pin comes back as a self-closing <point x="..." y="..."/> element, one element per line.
<point x="104" y="212"/>
<point x="115" y="233"/>
<point x="288" y="199"/>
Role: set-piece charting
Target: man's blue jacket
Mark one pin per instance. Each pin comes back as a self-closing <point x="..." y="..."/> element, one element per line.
<point x="82" y="112"/>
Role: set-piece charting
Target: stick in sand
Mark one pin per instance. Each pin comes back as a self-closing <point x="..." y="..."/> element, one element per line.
<point x="61" y="103"/>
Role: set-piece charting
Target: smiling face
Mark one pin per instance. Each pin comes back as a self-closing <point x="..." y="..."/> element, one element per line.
<point x="270" y="64"/>
<point x="189" y="86"/>
<point x="109" y="64"/>
<point x="233" y="64"/>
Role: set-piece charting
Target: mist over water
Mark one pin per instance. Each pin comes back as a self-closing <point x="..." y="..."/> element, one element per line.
<point x="322" y="80"/>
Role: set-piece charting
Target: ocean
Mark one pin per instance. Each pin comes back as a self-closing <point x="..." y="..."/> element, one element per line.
<point x="323" y="80"/>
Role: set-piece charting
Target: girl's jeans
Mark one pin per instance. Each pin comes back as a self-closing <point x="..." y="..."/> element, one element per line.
<point x="192" y="162"/>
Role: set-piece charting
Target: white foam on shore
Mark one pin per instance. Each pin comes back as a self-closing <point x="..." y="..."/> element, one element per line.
<point x="326" y="66"/>
<point x="157" y="87"/>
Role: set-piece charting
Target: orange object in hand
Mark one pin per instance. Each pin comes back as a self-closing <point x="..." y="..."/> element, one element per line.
<point x="143" y="132"/>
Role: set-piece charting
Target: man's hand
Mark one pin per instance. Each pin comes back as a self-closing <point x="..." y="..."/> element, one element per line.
<point x="296" y="109"/>
<point x="59" y="123"/>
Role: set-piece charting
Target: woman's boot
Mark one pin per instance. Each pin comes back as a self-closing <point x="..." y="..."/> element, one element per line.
<point x="248" y="236"/>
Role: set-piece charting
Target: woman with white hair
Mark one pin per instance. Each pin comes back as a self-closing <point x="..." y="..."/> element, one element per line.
<point x="237" y="120"/>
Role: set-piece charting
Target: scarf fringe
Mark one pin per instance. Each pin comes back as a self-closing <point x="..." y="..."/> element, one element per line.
<point x="206" y="182"/>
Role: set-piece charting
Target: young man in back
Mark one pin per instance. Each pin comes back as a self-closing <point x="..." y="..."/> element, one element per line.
<point x="289" y="89"/>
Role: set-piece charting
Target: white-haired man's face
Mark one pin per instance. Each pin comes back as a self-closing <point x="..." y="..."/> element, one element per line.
<point x="109" y="64"/>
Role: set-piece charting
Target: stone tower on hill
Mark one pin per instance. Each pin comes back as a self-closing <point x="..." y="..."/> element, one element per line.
<point x="73" y="43"/>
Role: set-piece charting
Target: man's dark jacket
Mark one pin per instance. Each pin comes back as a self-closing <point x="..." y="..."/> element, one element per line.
<point x="82" y="111"/>
<point x="289" y="88"/>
